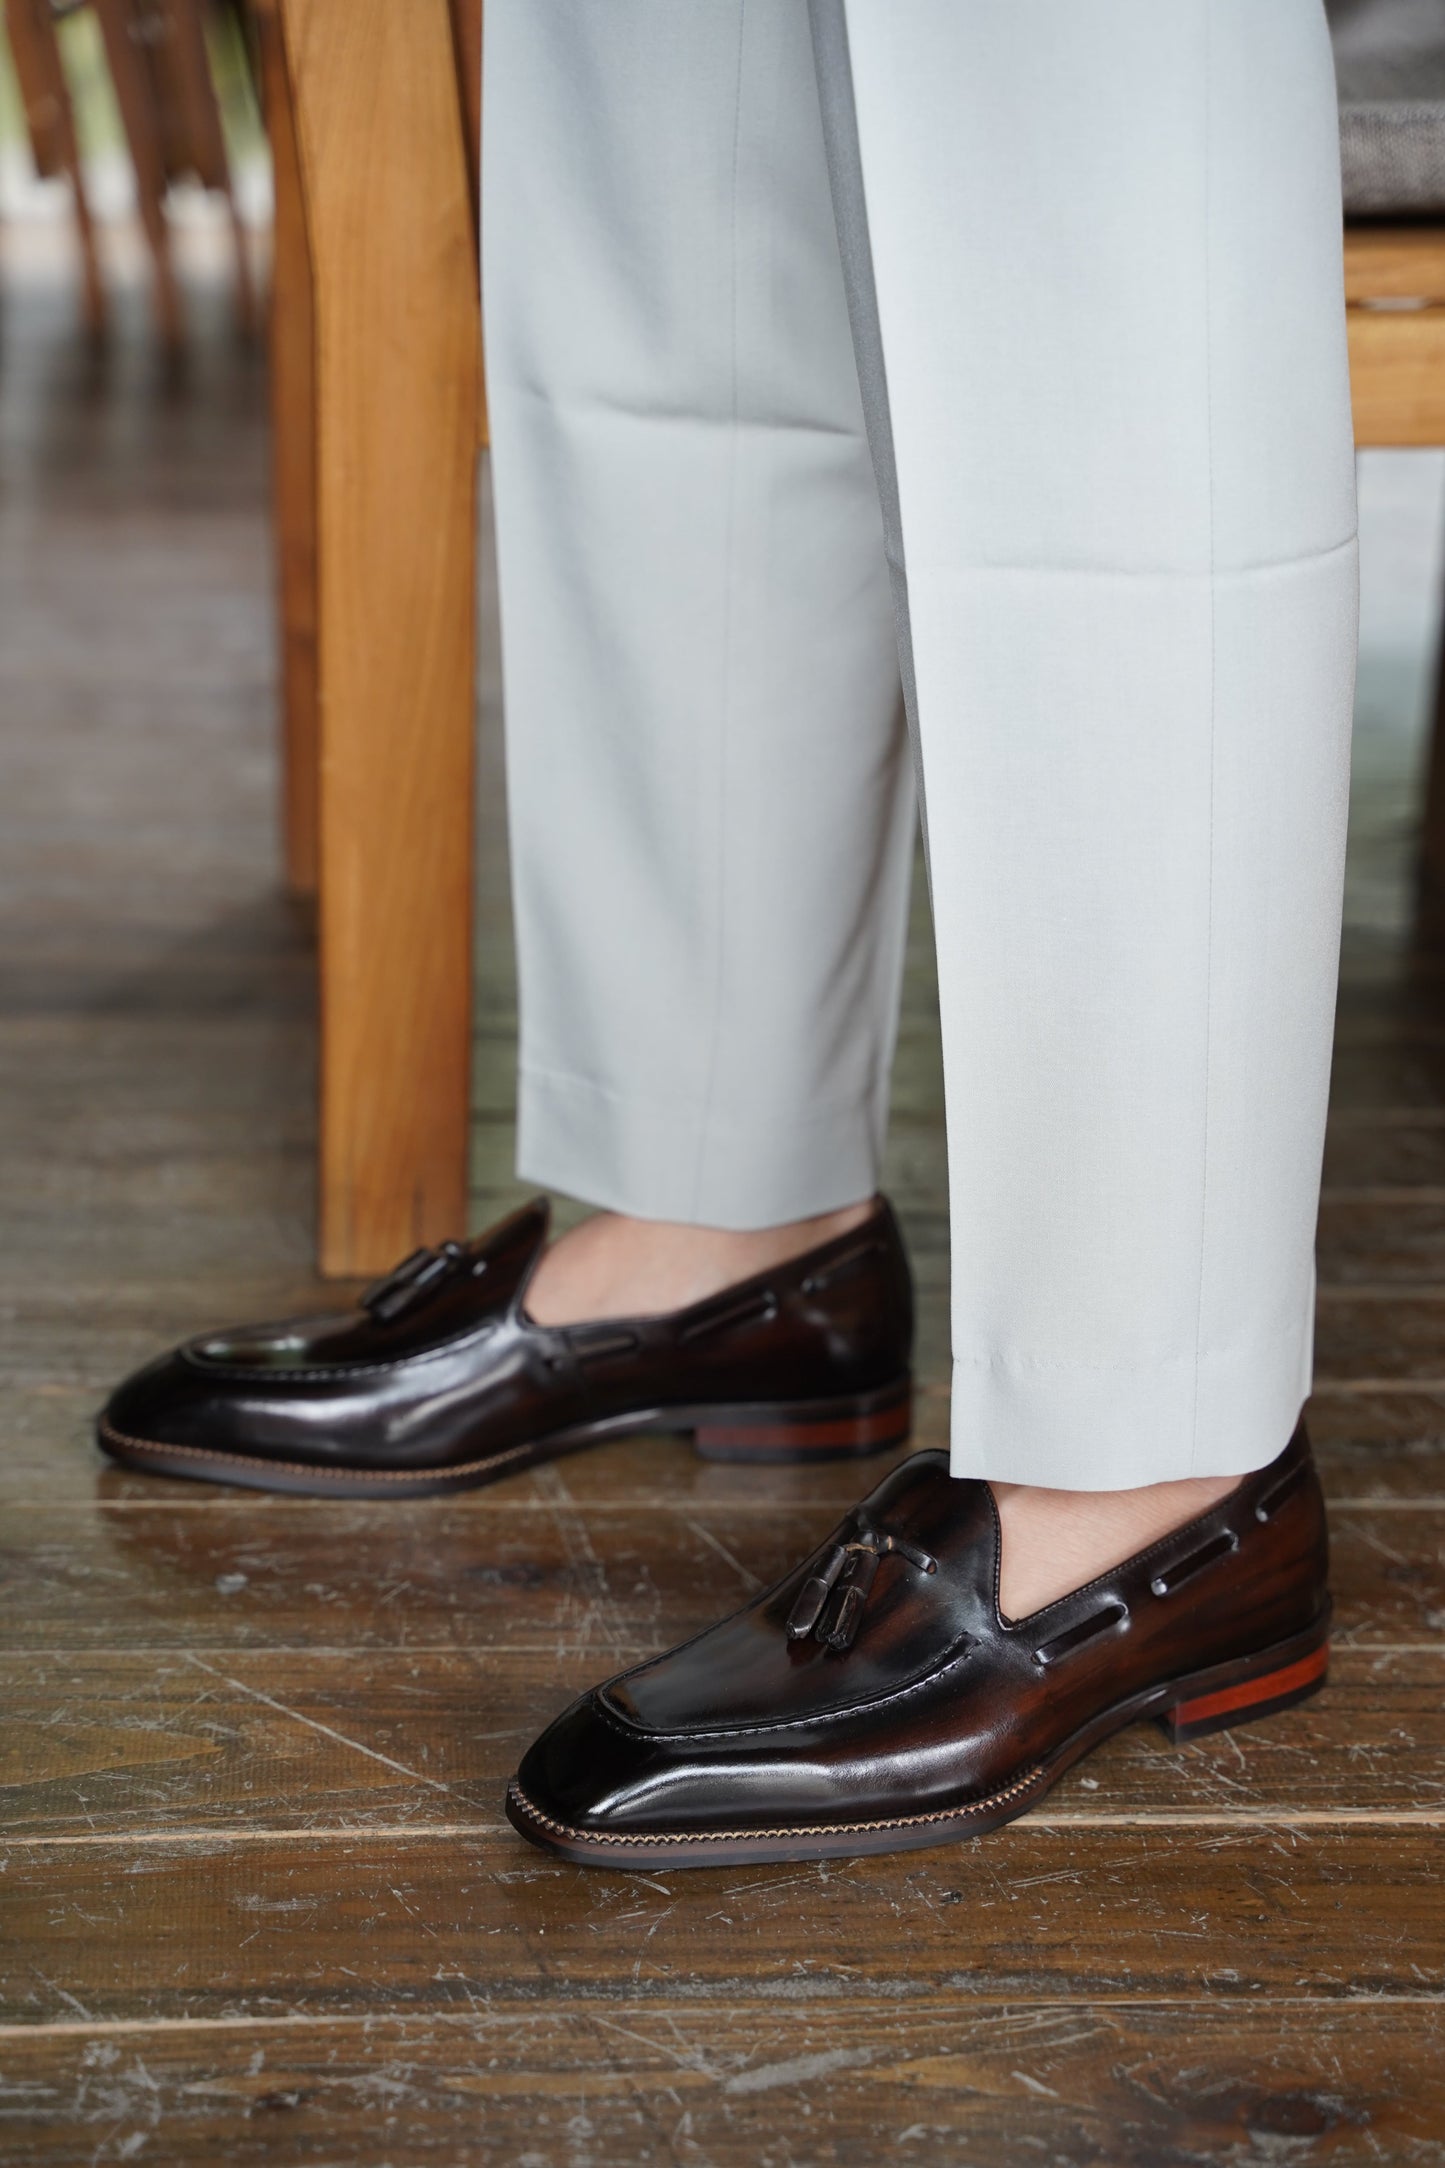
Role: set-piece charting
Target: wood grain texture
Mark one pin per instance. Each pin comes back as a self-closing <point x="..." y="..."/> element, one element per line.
<point x="1395" y="290"/>
<point x="1382" y="1240"/>
<point x="368" y="1921"/>
<point x="384" y="181"/>
<point x="1395" y="263"/>
<point x="1397" y="374"/>
<point x="654" y="2080"/>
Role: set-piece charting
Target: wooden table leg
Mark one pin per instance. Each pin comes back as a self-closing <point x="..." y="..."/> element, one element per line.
<point x="384" y="183"/>
<point x="293" y="468"/>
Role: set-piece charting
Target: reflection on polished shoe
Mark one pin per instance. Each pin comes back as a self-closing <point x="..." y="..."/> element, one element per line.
<point x="877" y="1699"/>
<point x="440" y="1380"/>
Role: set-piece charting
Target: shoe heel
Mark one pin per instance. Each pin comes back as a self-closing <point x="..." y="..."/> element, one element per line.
<point x="819" y="1430"/>
<point x="1260" y="1693"/>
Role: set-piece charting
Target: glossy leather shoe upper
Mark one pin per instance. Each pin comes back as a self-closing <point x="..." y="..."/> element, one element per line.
<point x="440" y="1367"/>
<point x="879" y="1679"/>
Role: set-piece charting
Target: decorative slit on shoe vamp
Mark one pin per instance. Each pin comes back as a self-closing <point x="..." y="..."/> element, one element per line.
<point x="1184" y="1569"/>
<point x="595" y="1345"/>
<point x="1074" y="1637"/>
<point x="1274" y="1497"/>
<point x="836" y="1267"/>
<point x="764" y="1306"/>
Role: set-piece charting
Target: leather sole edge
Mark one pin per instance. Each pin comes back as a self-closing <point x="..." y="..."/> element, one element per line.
<point x="780" y="1432"/>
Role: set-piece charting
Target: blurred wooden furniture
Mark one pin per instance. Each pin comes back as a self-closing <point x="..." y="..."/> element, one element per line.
<point x="1395" y="295"/>
<point x="156" y="54"/>
<point x="376" y="345"/>
<point x="160" y="71"/>
<point x="1390" y="66"/>
<point x="50" y="125"/>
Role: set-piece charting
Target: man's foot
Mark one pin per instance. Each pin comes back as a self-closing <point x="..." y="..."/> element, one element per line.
<point x="443" y="1378"/>
<point x="613" y="1266"/>
<point x="877" y="1699"/>
<point x="1057" y="1540"/>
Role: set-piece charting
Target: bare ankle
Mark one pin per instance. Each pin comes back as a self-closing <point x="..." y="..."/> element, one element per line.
<point x="1055" y="1541"/>
<point x="614" y="1266"/>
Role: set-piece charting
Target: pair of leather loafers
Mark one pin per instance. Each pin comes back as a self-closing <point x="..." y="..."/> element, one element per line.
<point x="876" y="1698"/>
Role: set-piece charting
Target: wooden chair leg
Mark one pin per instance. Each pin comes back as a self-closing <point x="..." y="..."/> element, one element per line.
<point x="293" y="470"/>
<point x="384" y="184"/>
<point x="50" y="123"/>
<point x="141" y="120"/>
<point x="182" y="66"/>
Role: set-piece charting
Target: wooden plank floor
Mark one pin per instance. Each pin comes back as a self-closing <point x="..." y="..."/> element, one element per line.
<point x="259" y="1902"/>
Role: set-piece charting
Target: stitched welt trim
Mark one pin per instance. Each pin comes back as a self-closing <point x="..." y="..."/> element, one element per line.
<point x="812" y="1829"/>
<point x="309" y="1468"/>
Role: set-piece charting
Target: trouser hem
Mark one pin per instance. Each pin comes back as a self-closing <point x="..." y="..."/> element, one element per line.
<point x="1074" y="1428"/>
<point x="654" y="1160"/>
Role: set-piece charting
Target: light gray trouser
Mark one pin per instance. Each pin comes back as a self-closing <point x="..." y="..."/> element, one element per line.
<point x="1083" y="460"/>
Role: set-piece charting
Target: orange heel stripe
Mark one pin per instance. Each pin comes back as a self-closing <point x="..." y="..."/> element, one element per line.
<point x="1268" y="1688"/>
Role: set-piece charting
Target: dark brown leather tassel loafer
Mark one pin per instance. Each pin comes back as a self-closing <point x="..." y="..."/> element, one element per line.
<point x="876" y="1700"/>
<point x="440" y="1380"/>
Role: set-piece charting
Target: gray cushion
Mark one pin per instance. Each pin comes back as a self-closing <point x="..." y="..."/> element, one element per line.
<point x="1390" y="61"/>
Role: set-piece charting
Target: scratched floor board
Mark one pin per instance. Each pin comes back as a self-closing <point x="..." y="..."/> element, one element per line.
<point x="419" y="1920"/>
<point x="1386" y="1333"/>
<point x="1369" y="1153"/>
<point x="1400" y="1073"/>
<point x="232" y="1742"/>
<point x="256" y="1903"/>
<point x="1395" y="1241"/>
<point x="386" y="1575"/>
<point x="760" y="2083"/>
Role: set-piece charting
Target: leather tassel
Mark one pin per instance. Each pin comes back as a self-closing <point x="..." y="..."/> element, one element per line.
<point x="845" y="1611"/>
<point x="814" y="1593"/>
